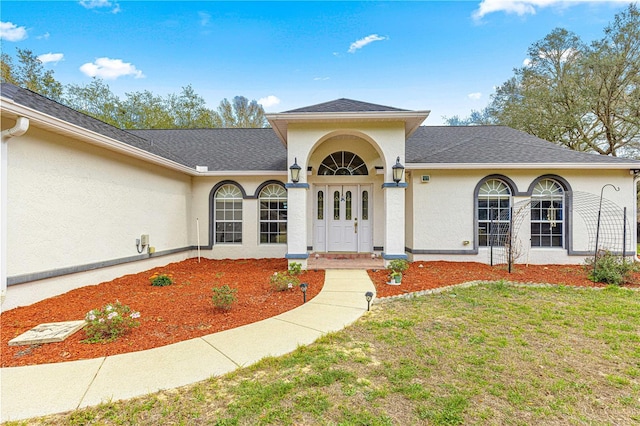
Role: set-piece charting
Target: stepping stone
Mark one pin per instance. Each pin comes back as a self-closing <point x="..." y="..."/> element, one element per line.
<point x="47" y="333"/>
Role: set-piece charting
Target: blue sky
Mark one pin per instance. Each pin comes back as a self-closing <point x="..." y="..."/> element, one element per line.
<point x="446" y="57"/>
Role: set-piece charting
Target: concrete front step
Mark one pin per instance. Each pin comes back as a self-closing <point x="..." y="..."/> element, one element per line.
<point x="344" y="261"/>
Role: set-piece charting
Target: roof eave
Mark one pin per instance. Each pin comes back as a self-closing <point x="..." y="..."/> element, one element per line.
<point x="528" y="166"/>
<point x="12" y="109"/>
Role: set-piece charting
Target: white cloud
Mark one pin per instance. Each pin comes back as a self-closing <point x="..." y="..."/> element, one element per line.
<point x="11" y="32"/>
<point x="97" y="4"/>
<point x="321" y="78"/>
<point x="44" y="36"/>
<point x="526" y="7"/>
<point x="526" y="62"/>
<point x="475" y="96"/>
<point x="359" y="44"/>
<point x="50" y="57"/>
<point x="205" y="18"/>
<point x="269" y="101"/>
<point x="110" y="69"/>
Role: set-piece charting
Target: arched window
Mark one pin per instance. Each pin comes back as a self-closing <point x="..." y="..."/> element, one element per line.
<point x="228" y="214"/>
<point x="342" y="163"/>
<point x="273" y="214"/>
<point x="547" y="214"/>
<point x="494" y="203"/>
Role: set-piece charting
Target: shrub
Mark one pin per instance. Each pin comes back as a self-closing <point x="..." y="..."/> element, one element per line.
<point x="398" y="265"/>
<point x="610" y="269"/>
<point x="295" y="268"/>
<point x="109" y="322"/>
<point x="281" y="281"/>
<point x="161" y="280"/>
<point x="224" y="297"/>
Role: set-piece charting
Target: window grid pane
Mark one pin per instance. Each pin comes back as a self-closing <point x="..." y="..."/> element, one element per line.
<point x="494" y="213"/>
<point x="547" y="213"/>
<point x="228" y="215"/>
<point x="273" y="214"/>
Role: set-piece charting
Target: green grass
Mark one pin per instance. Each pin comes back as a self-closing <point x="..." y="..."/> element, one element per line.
<point x="492" y="354"/>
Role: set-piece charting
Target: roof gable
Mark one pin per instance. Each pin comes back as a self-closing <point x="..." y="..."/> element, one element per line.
<point x="344" y="105"/>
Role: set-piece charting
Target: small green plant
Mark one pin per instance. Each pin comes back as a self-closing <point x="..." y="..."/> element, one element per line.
<point x="161" y="280"/>
<point x="295" y="268"/>
<point x="398" y="265"/>
<point x="281" y="281"/>
<point x="609" y="268"/>
<point x="109" y="322"/>
<point x="224" y="297"/>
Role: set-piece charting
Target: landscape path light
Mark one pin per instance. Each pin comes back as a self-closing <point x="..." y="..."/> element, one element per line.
<point x="304" y="287"/>
<point x="368" y="295"/>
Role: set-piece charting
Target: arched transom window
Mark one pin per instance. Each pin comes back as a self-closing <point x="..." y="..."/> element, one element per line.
<point x="494" y="202"/>
<point x="228" y="214"/>
<point x="342" y="163"/>
<point x="273" y="214"/>
<point x="547" y="214"/>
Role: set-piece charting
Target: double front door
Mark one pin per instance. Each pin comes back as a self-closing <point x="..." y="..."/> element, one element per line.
<point x="343" y="218"/>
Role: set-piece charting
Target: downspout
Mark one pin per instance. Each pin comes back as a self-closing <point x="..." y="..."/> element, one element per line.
<point x="21" y="127"/>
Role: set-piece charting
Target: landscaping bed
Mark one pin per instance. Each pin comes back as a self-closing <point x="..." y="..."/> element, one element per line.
<point x="184" y="309"/>
<point x="170" y="314"/>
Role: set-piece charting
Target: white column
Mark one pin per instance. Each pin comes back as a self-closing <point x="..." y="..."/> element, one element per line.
<point x="297" y="223"/>
<point x="394" y="221"/>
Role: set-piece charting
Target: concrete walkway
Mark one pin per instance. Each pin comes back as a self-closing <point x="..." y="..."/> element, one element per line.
<point x="39" y="390"/>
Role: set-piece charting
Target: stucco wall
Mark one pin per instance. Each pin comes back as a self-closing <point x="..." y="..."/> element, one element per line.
<point x="71" y="203"/>
<point x="251" y="246"/>
<point x="443" y="212"/>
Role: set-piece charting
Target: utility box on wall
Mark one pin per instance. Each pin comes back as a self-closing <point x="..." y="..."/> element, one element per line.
<point x="425" y="178"/>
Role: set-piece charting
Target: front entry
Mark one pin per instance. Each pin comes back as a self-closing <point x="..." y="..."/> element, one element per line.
<point x="343" y="218"/>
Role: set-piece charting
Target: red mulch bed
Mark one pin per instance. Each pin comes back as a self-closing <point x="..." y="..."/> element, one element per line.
<point x="429" y="275"/>
<point x="169" y="314"/>
<point x="184" y="309"/>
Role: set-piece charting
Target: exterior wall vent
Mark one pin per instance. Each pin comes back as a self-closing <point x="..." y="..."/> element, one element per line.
<point x="425" y="179"/>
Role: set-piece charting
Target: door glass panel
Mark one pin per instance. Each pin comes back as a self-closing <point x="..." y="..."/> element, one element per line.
<point x="365" y="205"/>
<point x="320" y="205"/>
<point x="348" y="206"/>
<point x="336" y="205"/>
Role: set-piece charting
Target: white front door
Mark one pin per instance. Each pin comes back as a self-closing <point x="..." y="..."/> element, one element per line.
<point x="343" y="218"/>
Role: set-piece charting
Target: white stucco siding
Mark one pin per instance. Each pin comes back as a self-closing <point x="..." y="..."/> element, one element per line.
<point x="71" y="204"/>
<point x="251" y="246"/>
<point x="443" y="212"/>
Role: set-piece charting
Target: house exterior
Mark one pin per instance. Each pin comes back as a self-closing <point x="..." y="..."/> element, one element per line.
<point x="84" y="202"/>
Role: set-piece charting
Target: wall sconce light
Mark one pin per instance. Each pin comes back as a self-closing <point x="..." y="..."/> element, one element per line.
<point x="304" y="287"/>
<point x="398" y="170"/>
<point x="368" y="295"/>
<point x="295" y="171"/>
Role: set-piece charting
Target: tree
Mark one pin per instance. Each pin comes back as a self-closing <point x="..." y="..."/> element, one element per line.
<point x="29" y="73"/>
<point x="241" y="113"/>
<point x="477" y="118"/>
<point x="586" y="98"/>
<point x="144" y="110"/>
<point x="613" y="71"/>
<point x="189" y="110"/>
<point x="97" y="100"/>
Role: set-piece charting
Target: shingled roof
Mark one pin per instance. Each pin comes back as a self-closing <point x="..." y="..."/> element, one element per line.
<point x="344" y="105"/>
<point x="222" y="149"/>
<point x="261" y="149"/>
<point x="492" y="145"/>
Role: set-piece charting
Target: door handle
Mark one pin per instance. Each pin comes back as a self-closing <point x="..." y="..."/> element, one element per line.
<point x="355" y="225"/>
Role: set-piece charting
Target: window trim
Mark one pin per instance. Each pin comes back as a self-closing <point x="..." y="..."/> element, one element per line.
<point x="269" y="221"/>
<point x="225" y="221"/>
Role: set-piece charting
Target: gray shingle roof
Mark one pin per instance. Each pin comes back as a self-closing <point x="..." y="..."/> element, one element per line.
<point x="491" y="145"/>
<point x="222" y="149"/>
<point x="344" y="105"/>
<point x="260" y="149"/>
<point x="45" y="105"/>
